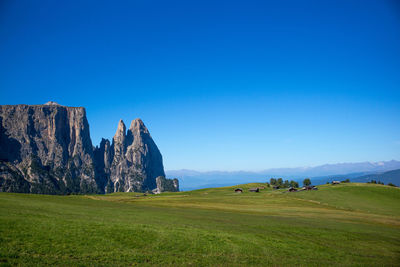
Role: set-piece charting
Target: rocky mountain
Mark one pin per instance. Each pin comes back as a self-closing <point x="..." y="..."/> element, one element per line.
<point x="47" y="149"/>
<point x="132" y="162"/>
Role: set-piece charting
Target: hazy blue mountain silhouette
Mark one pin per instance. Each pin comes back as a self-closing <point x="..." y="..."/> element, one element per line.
<point x="191" y="179"/>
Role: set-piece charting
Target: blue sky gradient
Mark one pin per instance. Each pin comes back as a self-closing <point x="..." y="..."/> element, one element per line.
<point x="221" y="85"/>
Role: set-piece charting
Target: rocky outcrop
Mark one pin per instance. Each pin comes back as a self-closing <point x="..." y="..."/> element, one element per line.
<point x="169" y="185"/>
<point x="47" y="149"/>
<point x="132" y="162"/>
<point x="135" y="160"/>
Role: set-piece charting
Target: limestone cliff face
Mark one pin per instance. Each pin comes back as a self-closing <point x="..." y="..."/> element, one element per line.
<point x="48" y="147"/>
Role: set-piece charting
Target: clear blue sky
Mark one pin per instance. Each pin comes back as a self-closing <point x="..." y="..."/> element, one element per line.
<point x="221" y="85"/>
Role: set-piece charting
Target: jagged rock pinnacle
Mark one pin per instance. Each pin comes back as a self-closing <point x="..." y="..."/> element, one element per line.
<point x="121" y="129"/>
<point x="137" y="125"/>
<point x="137" y="161"/>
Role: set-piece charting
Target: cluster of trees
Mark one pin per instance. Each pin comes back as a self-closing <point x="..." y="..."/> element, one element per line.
<point x="283" y="184"/>
<point x="279" y="182"/>
<point x="379" y="182"/>
<point x="375" y="182"/>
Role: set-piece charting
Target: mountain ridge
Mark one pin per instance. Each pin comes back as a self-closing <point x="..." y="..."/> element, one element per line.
<point x="48" y="149"/>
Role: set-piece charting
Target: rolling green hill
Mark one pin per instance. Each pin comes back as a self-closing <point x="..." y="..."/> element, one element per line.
<point x="347" y="224"/>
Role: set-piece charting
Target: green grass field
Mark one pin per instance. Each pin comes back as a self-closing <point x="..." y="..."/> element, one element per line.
<point x="347" y="224"/>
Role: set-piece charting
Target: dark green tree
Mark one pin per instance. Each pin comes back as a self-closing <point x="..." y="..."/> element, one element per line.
<point x="280" y="182"/>
<point x="294" y="184"/>
<point x="286" y="184"/>
<point x="307" y="182"/>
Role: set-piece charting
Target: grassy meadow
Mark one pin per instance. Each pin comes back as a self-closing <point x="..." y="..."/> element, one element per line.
<point x="347" y="225"/>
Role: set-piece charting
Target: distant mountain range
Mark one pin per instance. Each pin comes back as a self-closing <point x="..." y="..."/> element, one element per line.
<point x="386" y="177"/>
<point x="191" y="179"/>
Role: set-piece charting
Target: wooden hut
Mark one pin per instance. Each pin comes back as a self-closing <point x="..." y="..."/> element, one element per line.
<point x="254" y="189"/>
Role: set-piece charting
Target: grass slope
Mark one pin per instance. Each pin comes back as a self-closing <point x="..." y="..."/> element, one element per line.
<point x="347" y="224"/>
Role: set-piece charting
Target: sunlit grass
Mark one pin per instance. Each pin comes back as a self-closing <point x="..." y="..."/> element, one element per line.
<point x="350" y="224"/>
